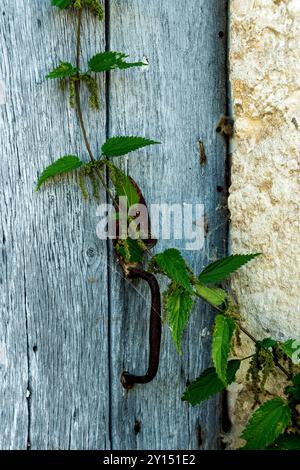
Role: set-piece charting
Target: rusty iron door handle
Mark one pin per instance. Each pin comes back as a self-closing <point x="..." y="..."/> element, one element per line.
<point x="129" y="380"/>
<point x="134" y="270"/>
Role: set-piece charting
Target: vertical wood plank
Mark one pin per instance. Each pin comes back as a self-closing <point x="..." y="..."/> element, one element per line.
<point x="178" y="100"/>
<point x="54" y="283"/>
<point x="54" y="352"/>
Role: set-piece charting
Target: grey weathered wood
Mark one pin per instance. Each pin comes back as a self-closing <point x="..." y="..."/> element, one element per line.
<point x="54" y="279"/>
<point x="68" y="324"/>
<point x="178" y="100"/>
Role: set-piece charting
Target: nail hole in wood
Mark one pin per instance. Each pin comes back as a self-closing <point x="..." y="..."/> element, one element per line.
<point x="199" y="436"/>
<point x="137" y="426"/>
<point x="202" y="153"/>
<point x="206" y="224"/>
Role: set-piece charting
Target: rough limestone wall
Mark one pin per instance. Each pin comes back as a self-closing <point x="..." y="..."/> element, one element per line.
<point x="264" y="196"/>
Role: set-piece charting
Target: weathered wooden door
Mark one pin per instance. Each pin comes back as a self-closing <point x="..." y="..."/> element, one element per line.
<point x="69" y="323"/>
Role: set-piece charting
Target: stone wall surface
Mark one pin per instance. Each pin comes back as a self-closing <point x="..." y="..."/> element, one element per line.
<point x="264" y="195"/>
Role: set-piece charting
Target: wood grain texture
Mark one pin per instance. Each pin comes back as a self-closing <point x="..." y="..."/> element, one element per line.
<point x="177" y="100"/>
<point x="54" y="318"/>
<point x="69" y="323"/>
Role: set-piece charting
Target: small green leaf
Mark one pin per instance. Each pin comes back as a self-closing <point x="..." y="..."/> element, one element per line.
<point x="117" y="146"/>
<point x="62" y="3"/>
<point x="64" y="70"/>
<point x="267" y="343"/>
<point x="266" y="424"/>
<point x="291" y="348"/>
<point x="294" y="391"/>
<point x="296" y="380"/>
<point x="173" y="265"/>
<point x="286" y="442"/>
<point x="179" y="306"/>
<point x="212" y="295"/>
<point x="59" y="167"/>
<point x="123" y="184"/>
<point x="209" y="384"/>
<point x="94" y="5"/>
<point x="130" y="250"/>
<point x="221" y="344"/>
<point x="109" y="60"/>
<point x="220" y="269"/>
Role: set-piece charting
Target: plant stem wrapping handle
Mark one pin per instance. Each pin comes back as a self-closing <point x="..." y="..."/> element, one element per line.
<point x="129" y="380"/>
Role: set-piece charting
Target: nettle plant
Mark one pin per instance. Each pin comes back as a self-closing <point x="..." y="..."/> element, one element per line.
<point x="275" y="423"/>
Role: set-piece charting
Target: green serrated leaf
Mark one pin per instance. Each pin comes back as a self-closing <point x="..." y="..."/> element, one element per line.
<point x="209" y="384"/>
<point x="213" y="295"/>
<point x="109" y="60"/>
<point x="220" y="269"/>
<point x="64" y="70"/>
<point x="123" y="184"/>
<point x="221" y="344"/>
<point x="179" y="306"/>
<point x="117" y="146"/>
<point x="266" y="424"/>
<point x="291" y="348"/>
<point x="173" y="265"/>
<point x="62" y="4"/>
<point x="286" y="442"/>
<point x="267" y="343"/>
<point x="59" y="167"/>
<point x="130" y="250"/>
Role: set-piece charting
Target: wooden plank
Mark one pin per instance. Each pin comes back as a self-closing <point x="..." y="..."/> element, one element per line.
<point x="54" y="320"/>
<point x="178" y="100"/>
<point x="54" y="352"/>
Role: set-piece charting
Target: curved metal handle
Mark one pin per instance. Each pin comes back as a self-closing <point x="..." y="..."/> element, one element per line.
<point x="128" y="380"/>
